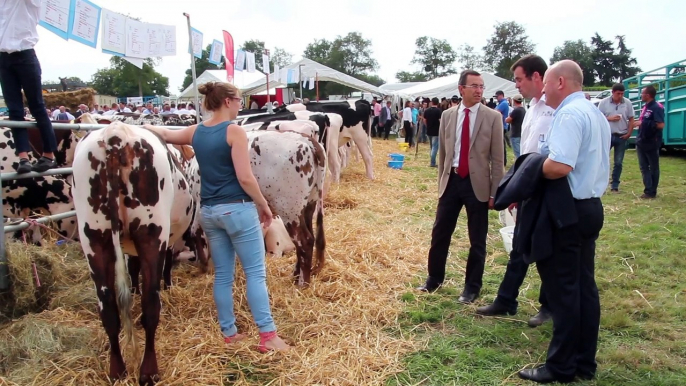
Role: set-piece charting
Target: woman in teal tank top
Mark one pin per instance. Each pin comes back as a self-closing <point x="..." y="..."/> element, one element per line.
<point x="232" y="208"/>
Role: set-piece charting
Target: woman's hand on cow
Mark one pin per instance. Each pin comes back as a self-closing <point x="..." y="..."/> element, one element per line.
<point x="265" y="214"/>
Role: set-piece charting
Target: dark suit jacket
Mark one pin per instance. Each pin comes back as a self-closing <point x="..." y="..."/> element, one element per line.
<point x="544" y="205"/>
<point x="384" y="116"/>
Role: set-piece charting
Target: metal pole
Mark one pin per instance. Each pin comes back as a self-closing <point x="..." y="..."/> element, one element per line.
<point x="67" y="126"/>
<point x="4" y="264"/>
<point x="195" y="82"/>
<point x="316" y="75"/>
<point x="270" y="108"/>
<point x="51" y="172"/>
<point x="300" y="81"/>
<point x="42" y="220"/>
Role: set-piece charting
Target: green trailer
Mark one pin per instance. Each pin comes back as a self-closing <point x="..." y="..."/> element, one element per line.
<point x="670" y="83"/>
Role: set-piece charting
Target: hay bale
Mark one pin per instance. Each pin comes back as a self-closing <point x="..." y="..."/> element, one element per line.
<point x="34" y="344"/>
<point x="70" y="99"/>
<point x="59" y="270"/>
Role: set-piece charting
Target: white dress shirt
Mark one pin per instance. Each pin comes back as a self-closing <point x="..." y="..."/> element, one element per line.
<point x="407" y="114"/>
<point x="473" y="111"/>
<point x="537" y="122"/>
<point x="18" y="22"/>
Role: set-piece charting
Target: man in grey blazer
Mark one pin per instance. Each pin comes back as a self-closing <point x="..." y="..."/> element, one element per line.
<point x="467" y="176"/>
<point x="385" y="120"/>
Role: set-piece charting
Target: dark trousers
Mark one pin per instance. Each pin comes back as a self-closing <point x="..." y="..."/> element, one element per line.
<point x="459" y="193"/>
<point x="21" y="70"/>
<point x="386" y="129"/>
<point x="409" y="132"/>
<point x="376" y="130"/>
<point x="515" y="272"/>
<point x="569" y="280"/>
<point x="620" y="148"/>
<point x="649" y="163"/>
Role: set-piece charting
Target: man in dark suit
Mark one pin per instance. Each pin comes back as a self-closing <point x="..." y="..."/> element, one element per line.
<point x="470" y="166"/>
<point x="385" y="120"/>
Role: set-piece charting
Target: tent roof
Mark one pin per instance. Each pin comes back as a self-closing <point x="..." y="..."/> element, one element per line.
<point x="240" y="79"/>
<point x="398" y="86"/>
<point x="309" y="69"/>
<point x="447" y="87"/>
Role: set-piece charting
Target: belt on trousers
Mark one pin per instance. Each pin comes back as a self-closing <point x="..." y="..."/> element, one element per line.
<point x="455" y="170"/>
<point x="241" y="201"/>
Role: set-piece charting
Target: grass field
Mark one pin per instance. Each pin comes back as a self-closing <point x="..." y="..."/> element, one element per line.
<point x="640" y="275"/>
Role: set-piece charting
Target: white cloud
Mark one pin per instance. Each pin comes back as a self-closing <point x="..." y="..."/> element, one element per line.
<point x="391" y="26"/>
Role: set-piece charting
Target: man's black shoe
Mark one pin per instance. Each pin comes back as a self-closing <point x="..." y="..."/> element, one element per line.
<point x="44" y="164"/>
<point x="495" y="309"/>
<point x="540" y="375"/>
<point x="24" y="166"/>
<point x="467" y="298"/>
<point x="428" y="287"/>
<point x="584" y="376"/>
<point x="540" y="318"/>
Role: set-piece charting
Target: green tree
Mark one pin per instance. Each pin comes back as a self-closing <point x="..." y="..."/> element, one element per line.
<point x="350" y="54"/>
<point x="624" y="65"/>
<point x="123" y="79"/>
<point x="580" y="52"/>
<point x="469" y="59"/>
<point x="406" y="76"/>
<point x="435" y="57"/>
<point x="201" y="65"/>
<point x="508" y="43"/>
<point x="603" y="60"/>
<point x="371" y="79"/>
<point x="281" y="57"/>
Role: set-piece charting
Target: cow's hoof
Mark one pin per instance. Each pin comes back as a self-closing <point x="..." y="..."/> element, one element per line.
<point x="148" y="379"/>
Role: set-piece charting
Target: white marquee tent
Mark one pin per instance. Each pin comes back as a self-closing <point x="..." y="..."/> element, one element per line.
<point x="310" y="69"/>
<point x="447" y="87"/>
<point x="240" y="80"/>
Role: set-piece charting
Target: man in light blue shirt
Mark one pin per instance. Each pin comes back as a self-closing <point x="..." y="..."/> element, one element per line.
<point x="578" y="148"/>
<point x="504" y="108"/>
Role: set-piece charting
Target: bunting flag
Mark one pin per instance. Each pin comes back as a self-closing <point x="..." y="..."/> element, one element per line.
<point x="277" y="72"/>
<point x="265" y="64"/>
<point x="230" y="60"/>
<point x="240" y="60"/>
<point x="250" y="60"/>
<point x="311" y="83"/>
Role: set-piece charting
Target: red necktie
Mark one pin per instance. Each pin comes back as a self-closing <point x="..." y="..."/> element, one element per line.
<point x="463" y="166"/>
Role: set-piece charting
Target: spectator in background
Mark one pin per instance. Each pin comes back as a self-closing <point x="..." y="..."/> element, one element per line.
<point x="385" y="120"/>
<point x="415" y="120"/>
<point x="64" y="114"/>
<point x="454" y="101"/>
<point x="504" y="109"/>
<point x="96" y="109"/>
<point x="515" y="121"/>
<point x="376" y="111"/>
<point x="406" y="116"/>
<point x="173" y="108"/>
<point x="491" y="104"/>
<point x="166" y="109"/>
<point x="21" y="70"/>
<point x="82" y="110"/>
<point x="191" y="109"/>
<point x="253" y="104"/>
<point x="148" y="109"/>
<point x="432" y="121"/>
<point x="619" y="111"/>
<point x="649" y="141"/>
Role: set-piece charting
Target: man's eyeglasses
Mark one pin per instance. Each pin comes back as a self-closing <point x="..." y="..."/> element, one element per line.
<point x="475" y="86"/>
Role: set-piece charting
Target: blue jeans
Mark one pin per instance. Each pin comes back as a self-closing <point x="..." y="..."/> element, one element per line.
<point x="21" y="71"/>
<point x="620" y="147"/>
<point x="516" y="146"/>
<point x="434" y="149"/>
<point x="235" y="229"/>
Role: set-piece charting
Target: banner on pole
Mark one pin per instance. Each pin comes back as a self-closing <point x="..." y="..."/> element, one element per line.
<point x="228" y="53"/>
<point x="196" y="43"/>
<point x="250" y="61"/>
<point x="216" y="53"/>
<point x="266" y="68"/>
<point x="277" y="72"/>
<point x="86" y="23"/>
<point x="311" y="84"/>
<point x="57" y="16"/>
<point x="240" y="60"/>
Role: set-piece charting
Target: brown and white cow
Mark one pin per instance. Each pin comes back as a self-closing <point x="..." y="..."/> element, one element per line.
<point x="43" y="196"/>
<point x="294" y="190"/>
<point x="130" y="197"/>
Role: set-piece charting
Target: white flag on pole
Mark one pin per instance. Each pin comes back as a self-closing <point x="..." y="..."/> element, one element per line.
<point x="311" y="83"/>
<point x="265" y="63"/>
<point x="277" y="72"/>
<point x="250" y="59"/>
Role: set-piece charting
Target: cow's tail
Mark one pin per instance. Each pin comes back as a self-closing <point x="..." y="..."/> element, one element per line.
<point x="320" y="239"/>
<point x="116" y="136"/>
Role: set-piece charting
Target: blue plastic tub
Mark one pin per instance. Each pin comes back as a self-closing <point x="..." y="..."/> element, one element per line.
<point x="397" y="157"/>
<point x="395" y="164"/>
